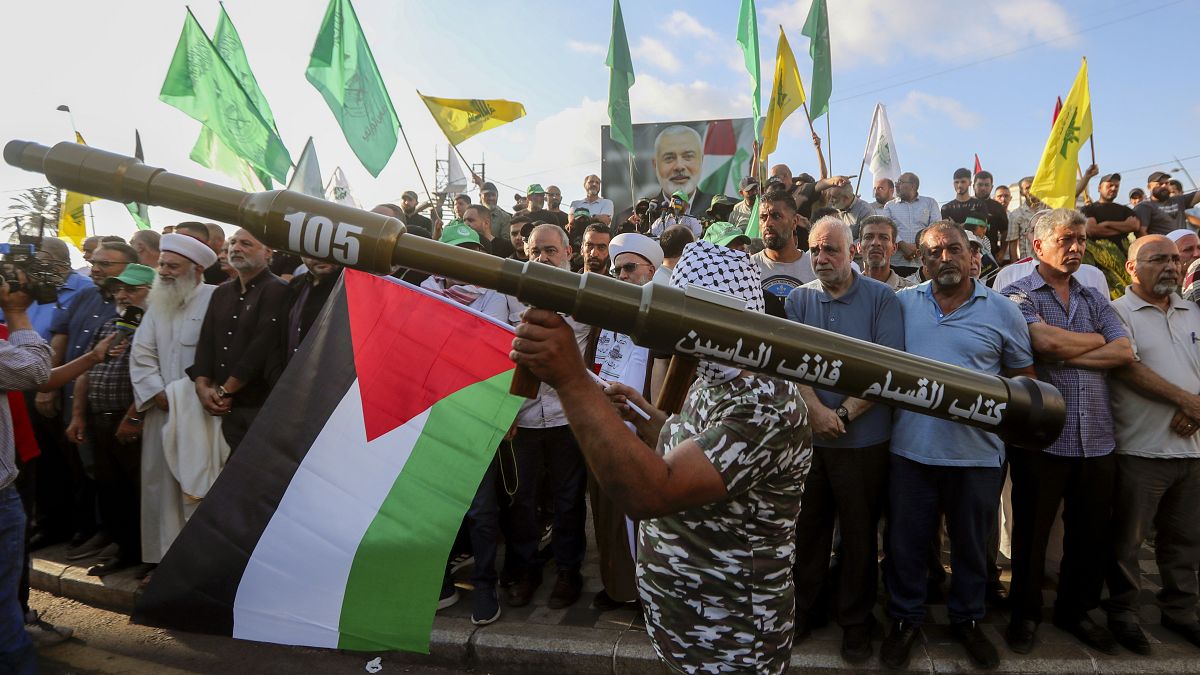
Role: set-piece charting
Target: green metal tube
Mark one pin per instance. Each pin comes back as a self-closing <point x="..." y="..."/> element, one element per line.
<point x="694" y="323"/>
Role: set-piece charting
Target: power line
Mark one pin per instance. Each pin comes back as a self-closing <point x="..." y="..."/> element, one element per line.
<point x="1001" y="55"/>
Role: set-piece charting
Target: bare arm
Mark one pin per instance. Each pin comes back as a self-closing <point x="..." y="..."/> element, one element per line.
<point x="1114" y="354"/>
<point x="1058" y="344"/>
<point x="1151" y="384"/>
<point x="1112" y="228"/>
<point x="58" y="349"/>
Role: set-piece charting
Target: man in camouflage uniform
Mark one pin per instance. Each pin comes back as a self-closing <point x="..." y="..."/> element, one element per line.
<point x="717" y="500"/>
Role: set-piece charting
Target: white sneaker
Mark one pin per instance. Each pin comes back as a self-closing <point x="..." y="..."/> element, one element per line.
<point x="43" y="633"/>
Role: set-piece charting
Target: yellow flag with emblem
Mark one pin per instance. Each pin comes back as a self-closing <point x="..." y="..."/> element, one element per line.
<point x="72" y="225"/>
<point x="462" y="118"/>
<point x="1054" y="182"/>
<point x="787" y="94"/>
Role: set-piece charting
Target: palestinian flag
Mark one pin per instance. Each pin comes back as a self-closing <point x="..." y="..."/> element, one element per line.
<point x="724" y="159"/>
<point x="331" y="525"/>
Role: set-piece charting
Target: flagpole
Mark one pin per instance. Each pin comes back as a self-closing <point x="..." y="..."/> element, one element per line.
<point x="632" y="189"/>
<point x="829" y="140"/>
<point x="870" y="135"/>
<point x="820" y="157"/>
<point x="416" y="166"/>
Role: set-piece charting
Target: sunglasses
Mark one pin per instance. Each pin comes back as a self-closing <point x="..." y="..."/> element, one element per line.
<point x="627" y="268"/>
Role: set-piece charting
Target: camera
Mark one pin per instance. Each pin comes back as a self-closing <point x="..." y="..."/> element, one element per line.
<point x="42" y="277"/>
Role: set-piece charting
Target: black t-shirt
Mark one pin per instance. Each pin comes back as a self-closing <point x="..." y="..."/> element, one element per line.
<point x="501" y="248"/>
<point x="547" y="216"/>
<point x="1111" y="211"/>
<point x="1163" y="217"/>
<point x="418" y="220"/>
<point x="988" y="210"/>
<point x="283" y="263"/>
<point x="958" y="211"/>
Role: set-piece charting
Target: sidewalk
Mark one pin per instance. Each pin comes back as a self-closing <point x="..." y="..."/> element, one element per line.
<point x="579" y="639"/>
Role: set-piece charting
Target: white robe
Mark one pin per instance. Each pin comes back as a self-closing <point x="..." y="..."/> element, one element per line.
<point x="163" y="348"/>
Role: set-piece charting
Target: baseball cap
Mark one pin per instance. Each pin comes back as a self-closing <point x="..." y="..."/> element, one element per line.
<point x="974" y="240"/>
<point x="134" y="275"/>
<point x="1158" y="177"/>
<point x="974" y="221"/>
<point x="409" y="194"/>
<point x="581" y="211"/>
<point x="679" y="194"/>
<point x="1110" y="178"/>
<point x="489" y="187"/>
<point x="747" y="183"/>
<point x="720" y="200"/>
<point x="638" y="244"/>
<point x="723" y="234"/>
<point x="1137" y="192"/>
<point x="535" y="189"/>
<point x="458" y="233"/>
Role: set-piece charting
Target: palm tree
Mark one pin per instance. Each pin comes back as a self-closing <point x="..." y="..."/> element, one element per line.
<point x="33" y="212"/>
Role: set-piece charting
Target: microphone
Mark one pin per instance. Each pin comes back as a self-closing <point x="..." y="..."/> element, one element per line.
<point x="127" y="324"/>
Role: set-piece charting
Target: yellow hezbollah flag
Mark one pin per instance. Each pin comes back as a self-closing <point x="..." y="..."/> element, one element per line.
<point x="1054" y="182"/>
<point x="462" y="118"/>
<point x="787" y="94"/>
<point x="72" y="225"/>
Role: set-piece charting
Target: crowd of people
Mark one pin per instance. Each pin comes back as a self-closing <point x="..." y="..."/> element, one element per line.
<point x="738" y="520"/>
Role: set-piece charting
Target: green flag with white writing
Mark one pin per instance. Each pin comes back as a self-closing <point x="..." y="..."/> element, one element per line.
<point x="201" y="85"/>
<point x="343" y="70"/>
<point x="816" y="27"/>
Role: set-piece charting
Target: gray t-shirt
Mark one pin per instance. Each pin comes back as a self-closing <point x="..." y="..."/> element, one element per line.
<point x="780" y="278"/>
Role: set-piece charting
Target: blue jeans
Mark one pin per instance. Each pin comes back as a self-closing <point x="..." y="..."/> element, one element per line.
<point x="969" y="496"/>
<point x="483" y="526"/>
<point x="555" y="449"/>
<point x="16" y="649"/>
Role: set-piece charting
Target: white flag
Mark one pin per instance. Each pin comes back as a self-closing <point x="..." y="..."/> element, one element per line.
<point x="881" y="147"/>
<point x="306" y="178"/>
<point x="456" y="179"/>
<point x="338" y="190"/>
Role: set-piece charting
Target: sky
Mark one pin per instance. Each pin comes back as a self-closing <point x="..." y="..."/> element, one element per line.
<point x="958" y="78"/>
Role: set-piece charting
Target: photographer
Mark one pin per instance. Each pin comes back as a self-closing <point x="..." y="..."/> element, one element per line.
<point x="24" y="365"/>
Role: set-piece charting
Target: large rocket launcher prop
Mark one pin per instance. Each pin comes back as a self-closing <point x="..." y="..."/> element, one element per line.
<point x="692" y="323"/>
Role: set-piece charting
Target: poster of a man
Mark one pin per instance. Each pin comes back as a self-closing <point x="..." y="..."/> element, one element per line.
<point x="678" y="160"/>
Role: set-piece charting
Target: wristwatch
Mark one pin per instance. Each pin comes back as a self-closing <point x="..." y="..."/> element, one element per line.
<point x="221" y="391"/>
<point x="843" y="414"/>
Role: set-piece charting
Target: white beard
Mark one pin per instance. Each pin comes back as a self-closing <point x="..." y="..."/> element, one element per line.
<point x="169" y="298"/>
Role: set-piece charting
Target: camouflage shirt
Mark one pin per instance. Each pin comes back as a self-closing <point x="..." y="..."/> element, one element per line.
<point x="716" y="580"/>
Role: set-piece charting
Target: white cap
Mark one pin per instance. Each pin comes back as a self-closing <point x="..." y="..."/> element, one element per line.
<point x="639" y="244"/>
<point x="189" y="247"/>
<point x="1176" y="235"/>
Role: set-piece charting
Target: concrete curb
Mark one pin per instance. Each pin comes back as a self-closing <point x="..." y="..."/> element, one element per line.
<point x="522" y="647"/>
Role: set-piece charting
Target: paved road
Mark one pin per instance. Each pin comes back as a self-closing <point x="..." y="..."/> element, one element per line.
<point x="105" y="642"/>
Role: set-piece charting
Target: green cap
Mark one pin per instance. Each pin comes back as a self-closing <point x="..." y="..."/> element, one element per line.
<point x="972" y="221"/>
<point x="724" y="234"/>
<point x="457" y="233"/>
<point x="535" y="189"/>
<point x="581" y="212"/>
<point x="678" y="194"/>
<point x="134" y="275"/>
<point x="720" y="199"/>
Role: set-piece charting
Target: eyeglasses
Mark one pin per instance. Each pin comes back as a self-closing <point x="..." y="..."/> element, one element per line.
<point x="107" y="263"/>
<point x="1161" y="259"/>
<point x="627" y="268"/>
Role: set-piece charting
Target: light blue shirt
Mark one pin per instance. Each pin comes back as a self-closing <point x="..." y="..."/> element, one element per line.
<point x="868" y="311"/>
<point x="911" y="218"/>
<point x="986" y="334"/>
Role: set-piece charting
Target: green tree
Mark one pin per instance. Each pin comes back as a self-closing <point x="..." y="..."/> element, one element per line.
<point x="34" y="210"/>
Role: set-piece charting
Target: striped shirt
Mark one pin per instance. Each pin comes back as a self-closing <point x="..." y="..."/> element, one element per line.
<point x="24" y="364"/>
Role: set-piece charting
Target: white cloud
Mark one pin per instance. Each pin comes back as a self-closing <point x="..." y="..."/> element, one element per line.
<point x="653" y="100"/>
<point x="920" y="105"/>
<point x="657" y="53"/>
<point x="865" y="31"/>
<point x="684" y="24"/>
<point x="586" y="47"/>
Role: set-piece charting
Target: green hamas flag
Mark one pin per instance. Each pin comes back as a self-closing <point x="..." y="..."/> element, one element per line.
<point x="747" y="37"/>
<point x="209" y="150"/>
<point x="343" y="70"/>
<point x="620" y="80"/>
<point x="201" y="85"/>
<point x="816" y="27"/>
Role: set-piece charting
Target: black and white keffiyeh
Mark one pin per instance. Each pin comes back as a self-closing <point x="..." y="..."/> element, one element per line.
<point x="726" y="271"/>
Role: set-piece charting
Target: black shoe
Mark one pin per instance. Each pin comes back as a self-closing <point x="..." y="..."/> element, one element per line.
<point x="1091" y="634"/>
<point x="110" y="566"/>
<point x="521" y="591"/>
<point x="95" y="544"/>
<point x="1130" y="636"/>
<point x="856" y="642"/>
<point x="566" y="589"/>
<point x="1188" y="631"/>
<point x="1021" y="635"/>
<point x="896" y="649"/>
<point x="485" y="606"/>
<point x="981" y="650"/>
<point x="605" y="602"/>
<point x="449" y="594"/>
<point x="996" y="596"/>
<point x="43" y="538"/>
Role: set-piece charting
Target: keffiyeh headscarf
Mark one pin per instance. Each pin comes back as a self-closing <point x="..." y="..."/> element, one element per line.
<point x="723" y="270"/>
